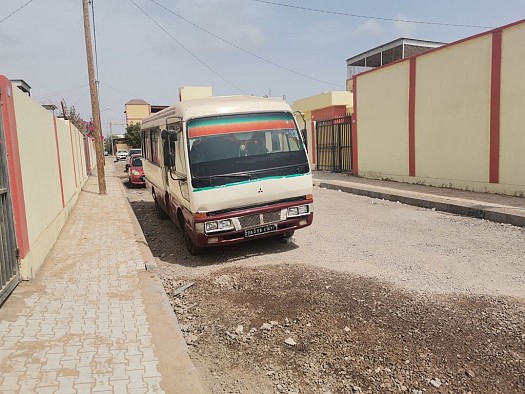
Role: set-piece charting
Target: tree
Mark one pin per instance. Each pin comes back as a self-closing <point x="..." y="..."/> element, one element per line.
<point x="132" y="135"/>
<point x="107" y="145"/>
<point x="74" y="117"/>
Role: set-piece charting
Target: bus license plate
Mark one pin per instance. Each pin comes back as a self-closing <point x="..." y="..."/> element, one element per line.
<point x="260" y="230"/>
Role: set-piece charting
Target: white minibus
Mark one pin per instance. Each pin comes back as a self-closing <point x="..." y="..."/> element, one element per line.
<point x="228" y="169"/>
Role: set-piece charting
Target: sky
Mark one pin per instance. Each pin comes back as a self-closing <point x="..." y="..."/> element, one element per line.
<point x="147" y="49"/>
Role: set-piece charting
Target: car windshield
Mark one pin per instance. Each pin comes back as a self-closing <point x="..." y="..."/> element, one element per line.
<point x="136" y="162"/>
<point x="226" y="149"/>
<point x="135" y="151"/>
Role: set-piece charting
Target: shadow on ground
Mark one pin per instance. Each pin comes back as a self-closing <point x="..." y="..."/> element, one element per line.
<point x="165" y="241"/>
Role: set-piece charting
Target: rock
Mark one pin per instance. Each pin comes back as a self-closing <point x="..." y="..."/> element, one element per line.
<point x="239" y="330"/>
<point x="357" y="389"/>
<point x="290" y="341"/>
<point x="185" y="328"/>
<point x="470" y="373"/>
<point x="266" y="326"/>
<point x="435" y="383"/>
<point x="191" y="339"/>
<point x="347" y="329"/>
<point x="274" y="323"/>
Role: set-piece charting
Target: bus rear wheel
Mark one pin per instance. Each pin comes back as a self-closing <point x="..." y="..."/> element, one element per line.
<point x="158" y="210"/>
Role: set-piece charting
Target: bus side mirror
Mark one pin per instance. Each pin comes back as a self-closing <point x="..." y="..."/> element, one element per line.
<point x="169" y="154"/>
<point x="169" y="137"/>
<point x="171" y="134"/>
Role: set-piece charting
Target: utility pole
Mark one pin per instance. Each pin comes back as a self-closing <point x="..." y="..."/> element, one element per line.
<point x="95" y="109"/>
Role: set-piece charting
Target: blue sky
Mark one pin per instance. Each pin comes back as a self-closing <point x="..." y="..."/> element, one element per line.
<point x="43" y="44"/>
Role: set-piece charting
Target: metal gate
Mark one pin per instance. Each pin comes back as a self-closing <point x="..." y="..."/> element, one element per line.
<point x="9" y="275"/>
<point x="334" y="144"/>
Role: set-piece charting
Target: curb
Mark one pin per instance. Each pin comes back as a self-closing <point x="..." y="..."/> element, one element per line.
<point x="178" y="372"/>
<point x="475" y="209"/>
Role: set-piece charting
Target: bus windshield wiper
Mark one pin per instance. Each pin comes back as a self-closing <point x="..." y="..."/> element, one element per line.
<point x="244" y="175"/>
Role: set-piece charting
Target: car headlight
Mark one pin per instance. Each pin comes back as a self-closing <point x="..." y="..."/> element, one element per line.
<point x="298" y="211"/>
<point x="218" y="225"/>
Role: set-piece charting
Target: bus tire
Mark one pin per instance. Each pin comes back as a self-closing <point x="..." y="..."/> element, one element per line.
<point x="190" y="245"/>
<point x="158" y="210"/>
<point x="285" y="237"/>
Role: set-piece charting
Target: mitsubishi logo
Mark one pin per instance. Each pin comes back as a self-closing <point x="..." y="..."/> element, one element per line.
<point x="260" y="190"/>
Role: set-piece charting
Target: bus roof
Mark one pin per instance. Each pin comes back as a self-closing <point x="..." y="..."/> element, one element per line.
<point x="219" y="105"/>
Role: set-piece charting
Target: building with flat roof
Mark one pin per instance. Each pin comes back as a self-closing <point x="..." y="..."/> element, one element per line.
<point x="384" y="54"/>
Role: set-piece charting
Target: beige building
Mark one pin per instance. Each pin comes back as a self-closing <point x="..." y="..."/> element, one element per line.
<point x="321" y="106"/>
<point x="194" y="92"/>
<point x="137" y="109"/>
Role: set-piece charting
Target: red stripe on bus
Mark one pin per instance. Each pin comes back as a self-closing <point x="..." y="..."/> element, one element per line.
<point x="228" y="128"/>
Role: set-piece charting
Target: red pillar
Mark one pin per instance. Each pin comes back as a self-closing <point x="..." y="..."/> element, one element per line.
<point x="14" y="166"/>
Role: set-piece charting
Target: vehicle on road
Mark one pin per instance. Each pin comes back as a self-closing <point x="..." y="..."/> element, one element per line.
<point x="228" y="169"/>
<point x="121" y="155"/>
<point x="136" y="171"/>
<point x="133" y="151"/>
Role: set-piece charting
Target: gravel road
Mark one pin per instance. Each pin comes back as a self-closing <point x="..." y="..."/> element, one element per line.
<point x="374" y="297"/>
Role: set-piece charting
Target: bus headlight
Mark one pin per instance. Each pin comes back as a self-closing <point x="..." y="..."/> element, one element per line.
<point x="219" y="225"/>
<point x="211" y="226"/>
<point x="298" y="211"/>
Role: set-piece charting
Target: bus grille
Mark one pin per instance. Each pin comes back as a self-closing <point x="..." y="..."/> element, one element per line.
<point x="256" y="220"/>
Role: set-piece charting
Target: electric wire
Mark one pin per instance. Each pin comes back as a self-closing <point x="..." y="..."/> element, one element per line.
<point x="187" y="50"/>
<point x="119" y="90"/>
<point x="81" y="97"/>
<point x="373" y="17"/>
<point x="15" y="11"/>
<point x="59" y="92"/>
<point x="242" y="49"/>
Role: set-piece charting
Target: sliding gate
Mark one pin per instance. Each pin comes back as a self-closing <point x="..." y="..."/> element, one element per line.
<point x="334" y="144"/>
<point x="9" y="276"/>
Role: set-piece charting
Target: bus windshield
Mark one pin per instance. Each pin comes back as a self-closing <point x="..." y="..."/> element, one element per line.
<point x="233" y="148"/>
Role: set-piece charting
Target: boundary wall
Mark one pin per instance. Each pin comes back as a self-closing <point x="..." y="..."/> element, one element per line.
<point x="451" y="117"/>
<point x="49" y="161"/>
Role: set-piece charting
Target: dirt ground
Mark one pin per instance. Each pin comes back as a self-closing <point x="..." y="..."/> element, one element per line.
<point x="295" y="328"/>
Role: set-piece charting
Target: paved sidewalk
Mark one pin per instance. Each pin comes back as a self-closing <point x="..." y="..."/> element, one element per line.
<point x="493" y="207"/>
<point x="94" y="320"/>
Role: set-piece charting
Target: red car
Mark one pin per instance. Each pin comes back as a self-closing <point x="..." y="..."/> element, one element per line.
<point x="135" y="171"/>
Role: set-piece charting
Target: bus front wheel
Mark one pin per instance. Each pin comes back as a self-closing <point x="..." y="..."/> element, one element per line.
<point x="190" y="245"/>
